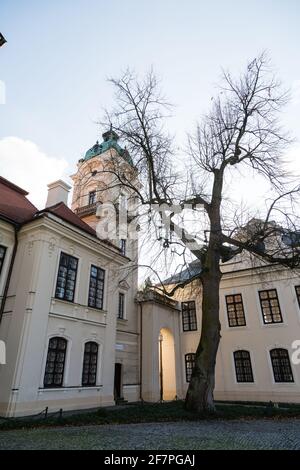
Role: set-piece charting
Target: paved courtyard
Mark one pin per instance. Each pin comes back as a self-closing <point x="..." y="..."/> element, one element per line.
<point x="256" y="434"/>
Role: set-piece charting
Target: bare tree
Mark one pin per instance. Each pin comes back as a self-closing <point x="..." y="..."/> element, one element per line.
<point x="241" y="133"/>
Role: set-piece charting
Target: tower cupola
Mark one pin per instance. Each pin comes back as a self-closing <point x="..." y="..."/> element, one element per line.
<point x="110" y="141"/>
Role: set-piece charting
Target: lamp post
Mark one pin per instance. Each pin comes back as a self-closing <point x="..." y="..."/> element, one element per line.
<point x="160" y="339"/>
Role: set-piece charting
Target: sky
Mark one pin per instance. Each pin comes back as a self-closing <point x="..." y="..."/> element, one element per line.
<point x="59" y="55"/>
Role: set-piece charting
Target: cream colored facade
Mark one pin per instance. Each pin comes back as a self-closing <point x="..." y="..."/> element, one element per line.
<point x="256" y="337"/>
<point x="148" y="344"/>
<point x="33" y="315"/>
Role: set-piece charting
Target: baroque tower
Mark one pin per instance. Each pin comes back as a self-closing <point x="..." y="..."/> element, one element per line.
<point x="100" y="200"/>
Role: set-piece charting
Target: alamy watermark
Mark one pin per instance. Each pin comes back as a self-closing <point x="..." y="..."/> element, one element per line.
<point x="122" y="222"/>
<point x="296" y="353"/>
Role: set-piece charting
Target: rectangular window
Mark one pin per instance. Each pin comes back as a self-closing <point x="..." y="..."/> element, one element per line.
<point x="121" y="309"/>
<point x="235" y="310"/>
<point x="89" y="369"/>
<point x="54" y="372"/>
<point x="123" y="247"/>
<point x="281" y="365"/>
<point x="189" y="318"/>
<point x="189" y="365"/>
<point x="297" y="289"/>
<point x="66" y="278"/>
<point x="2" y="256"/>
<point x="243" y="367"/>
<point x="92" y="197"/>
<point x="96" y="289"/>
<point x="270" y="306"/>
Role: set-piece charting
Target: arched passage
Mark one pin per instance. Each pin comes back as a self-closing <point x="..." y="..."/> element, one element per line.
<point x="167" y="372"/>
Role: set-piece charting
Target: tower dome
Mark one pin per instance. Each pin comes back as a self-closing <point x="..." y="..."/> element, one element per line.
<point x="110" y="141"/>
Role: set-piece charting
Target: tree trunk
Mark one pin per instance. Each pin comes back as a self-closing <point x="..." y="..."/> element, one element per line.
<point x="200" y="392"/>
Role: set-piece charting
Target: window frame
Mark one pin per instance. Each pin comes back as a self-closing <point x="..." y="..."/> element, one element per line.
<point x="89" y="383"/>
<point x="62" y="253"/>
<point x="93" y="196"/>
<point x="240" y="377"/>
<point x="2" y="260"/>
<point x="55" y="362"/>
<point x="189" y="369"/>
<point x="235" y="303"/>
<point x="187" y="312"/>
<point x="123" y="296"/>
<point x="281" y="371"/>
<point x="103" y="287"/>
<point x="269" y="299"/>
<point x="123" y="246"/>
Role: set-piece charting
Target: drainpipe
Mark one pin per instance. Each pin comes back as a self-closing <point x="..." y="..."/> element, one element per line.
<point x="141" y="351"/>
<point x="11" y="265"/>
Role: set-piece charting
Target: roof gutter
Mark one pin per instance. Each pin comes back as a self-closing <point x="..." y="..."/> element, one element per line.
<point x="11" y="265"/>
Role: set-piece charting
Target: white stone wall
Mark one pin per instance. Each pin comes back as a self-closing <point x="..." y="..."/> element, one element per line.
<point x="256" y="337"/>
<point x="33" y="315"/>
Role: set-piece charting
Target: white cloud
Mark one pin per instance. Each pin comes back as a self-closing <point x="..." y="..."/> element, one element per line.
<point x="23" y="163"/>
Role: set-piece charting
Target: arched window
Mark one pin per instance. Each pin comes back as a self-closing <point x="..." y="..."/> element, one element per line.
<point x="243" y="367"/>
<point x="54" y="372"/>
<point x="189" y="365"/>
<point x="281" y="365"/>
<point x="89" y="369"/>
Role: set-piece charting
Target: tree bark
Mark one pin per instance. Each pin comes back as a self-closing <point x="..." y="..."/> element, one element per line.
<point x="200" y="392"/>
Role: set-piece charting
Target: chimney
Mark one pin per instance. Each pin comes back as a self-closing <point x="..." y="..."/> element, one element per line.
<point x="57" y="192"/>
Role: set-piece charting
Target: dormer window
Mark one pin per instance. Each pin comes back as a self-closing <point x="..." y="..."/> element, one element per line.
<point x="92" y="197"/>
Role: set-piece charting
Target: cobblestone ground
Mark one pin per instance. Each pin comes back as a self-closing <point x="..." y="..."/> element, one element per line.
<point x="258" y="434"/>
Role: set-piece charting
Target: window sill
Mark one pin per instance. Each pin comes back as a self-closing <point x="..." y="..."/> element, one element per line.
<point x="67" y="389"/>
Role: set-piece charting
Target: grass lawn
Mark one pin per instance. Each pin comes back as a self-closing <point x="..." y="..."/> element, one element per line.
<point x="153" y="413"/>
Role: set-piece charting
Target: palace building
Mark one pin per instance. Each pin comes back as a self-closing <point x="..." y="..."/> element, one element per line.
<point x="78" y="333"/>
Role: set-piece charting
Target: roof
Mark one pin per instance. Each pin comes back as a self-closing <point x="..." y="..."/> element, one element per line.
<point x="14" y="204"/>
<point x="17" y="209"/>
<point x="110" y="141"/>
<point x="65" y="213"/>
<point x="190" y="272"/>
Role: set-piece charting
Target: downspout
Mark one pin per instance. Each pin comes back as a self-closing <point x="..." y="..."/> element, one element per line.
<point x="11" y="265"/>
<point x="141" y="351"/>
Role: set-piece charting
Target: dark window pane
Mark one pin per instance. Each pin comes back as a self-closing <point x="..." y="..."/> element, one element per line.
<point x="297" y="288"/>
<point x="123" y="247"/>
<point x="243" y="367"/>
<point x="66" y="278"/>
<point x="89" y="369"/>
<point x="270" y="306"/>
<point x="235" y="310"/>
<point x="96" y="288"/>
<point x="189" y="365"/>
<point x="281" y="365"/>
<point x="2" y="256"/>
<point x="55" y="362"/>
<point x="121" y="308"/>
<point x="92" y="197"/>
<point x="189" y="317"/>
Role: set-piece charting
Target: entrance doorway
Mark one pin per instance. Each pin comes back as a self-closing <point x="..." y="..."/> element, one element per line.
<point x="167" y="372"/>
<point x="118" y="381"/>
